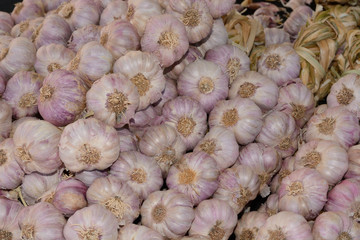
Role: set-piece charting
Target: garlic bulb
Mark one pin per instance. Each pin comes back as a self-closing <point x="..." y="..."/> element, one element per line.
<point x="2" y="85"/>
<point x="114" y="10"/>
<point x="139" y="171"/>
<point x="144" y="71"/>
<point x="137" y="232"/>
<point x="9" y="210"/>
<point x="128" y="141"/>
<point x="50" y="5"/>
<point x="84" y="35"/>
<point x="238" y="185"/>
<point x="217" y="37"/>
<point x="26" y="28"/>
<point x="91" y="222"/>
<point x="249" y="224"/>
<point x="354" y="158"/>
<point x="17" y="122"/>
<point x="280" y="62"/>
<point x="6" y="23"/>
<point x="280" y="131"/>
<point x="287" y="167"/>
<point x="297" y="19"/>
<point x="275" y="36"/>
<point x="22" y="92"/>
<point x="144" y="119"/>
<point x="205" y="82"/>
<point x="168" y="212"/>
<point x="113" y="99"/>
<point x="5" y="119"/>
<point x="88" y="177"/>
<point x="335" y="124"/>
<point x="27" y="10"/>
<point x="165" y="37"/>
<point x="271" y="206"/>
<point x="214" y="218"/>
<point x="242" y="116"/>
<point x="188" y="117"/>
<point x="219" y="8"/>
<point x="326" y="157"/>
<point x="170" y="92"/>
<point x="88" y="144"/>
<point x="195" y="175"/>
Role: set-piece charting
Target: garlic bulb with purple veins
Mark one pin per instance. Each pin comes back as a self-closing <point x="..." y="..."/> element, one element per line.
<point x="36" y="146"/>
<point x="139" y="171"/>
<point x="271" y="206"/>
<point x="219" y="8"/>
<point x="288" y="166"/>
<point x="144" y="119"/>
<point x="217" y="37"/>
<point x="26" y="28"/>
<point x="285" y="225"/>
<point x="27" y="10"/>
<point x="165" y="37"/>
<point x="249" y="224"/>
<point x="304" y="192"/>
<point x="144" y="71"/>
<point x="238" y="185"/>
<point x="88" y="144"/>
<point x="88" y="177"/>
<point x="195" y="175"/>
<point x="128" y="141"/>
<point x="84" y="35"/>
<point x="50" y="5"/>
<point x="188" y="117"/>
<point x="297" y="19"/>
<point x="137" y="232"/>
<point x="5" y="119"/>
<point x="242" y="116"/>
<point x="9" y="228"/>
<point x="256" y="87"/>
<point x="6" y="23"/>
<point x="275" y="36"/>
<point x="220" y="143"/>
<point x="116" y="9"/>
<point x="233" y="61"/>
<point x="117" y="197"/>
<point x="17" y="122"/>
<point x="354" y="162"/>
<point x="93" y="222"/>
<point x="335" y="124"/>
<point x="205" y="82"/>
<point x="280" y="62"/>
<point x="22" y="92"/>
<point x="169" y="212"/>
<point x="170" y="92"/>
<point x="214" y="218"/>
<point x="280" y="131"/>
<point x="113" y="99"/>
<point x="41" y="221"/>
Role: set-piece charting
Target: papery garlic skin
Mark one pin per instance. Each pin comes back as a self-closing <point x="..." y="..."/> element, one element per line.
<point x="17" y="122"/>
<point x="9" y="211"/>
<point x="297" y="19"/>
<point x="5" y="119"/>
<point x="91" y="222"/>
<point x="170" y="92"/>
<point x="219" y="8"/>
<point x="144" y="119"/>
<point x="275" y="36"/>
<point x="88" y="144"/>
<point x="214" y="218"/>
<point x="6" y="23"/>
<point x="26" y="28"/>
<point x="128" y="141"/>
<point x="114" y="10"/>
<point x="2" y="85"/>
<point x="168" y="212"/>
<point x="27" y="10"/>
<point x="88" y="177"/>
<point x="50" y="5"/>
<point x="84" y="35"/>
<point x="271" y="206"/>
<point x="217" y="37"/>
<point x="196" y="237"/>
<point x="249" y="224"/>
<point x="354" y="162"/>
<point x="137" y="232"/>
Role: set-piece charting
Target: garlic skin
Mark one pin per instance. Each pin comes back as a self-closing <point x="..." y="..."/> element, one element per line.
<point x="88" y="177"/>
<point x="114" y="10"/>
<point x="139" y="171"/>
<point x="280" y="63"/>
<point x="280" y="131"/>
<point x="128" y="141"/>
<point x="9" y="211"/>
<point x="144" y="119"/>
<point x="52" y="57"/>
<point x="249" y="224"/>
<point x="275" y="36"/>
<point x="196" y="237"/>
<point x="5" y="119"/>
<point x="2" y="85"/>
<point x="195" y="175"/>
<point x="297" y="19"/>
<point x="144" y="71"/>
<point x="41" y="221"/>
<point x="170" y="92"/>
<point x="287" y="167"/>
<point x="335" y="124"/>
<point x="205" y="82"/>
<point x="165" y="37"/>
<point x="271" y="206"/>
<point x="326" y="157"/>
<point x="214" y="218"/>
<point x="137" y="232"/>
<point x="304" y="192"/>
<point x="17" y="122"/>
<point x="218" y="8"/>
<point x="84" y="35"/>
<point x="26" y="28"/>
<point x="168" y="212"/>
<point x="50" y="5"/>
<point x="188" y="117"/>
<point x="256" y="87"/>
<point x="91" y="222"/>
<point x="27" y="10"/>
<point x="354" y="162"/>
<point x="238" y="185"/>
<point x="88" y="144"/>
<point x="113" y="99"/>
<point x="6" y="23"/>
<point x="242" y="116"/>
<point x="217" y="37"/>
<point x="22" y="92"/>
<point x="285" y="225"/>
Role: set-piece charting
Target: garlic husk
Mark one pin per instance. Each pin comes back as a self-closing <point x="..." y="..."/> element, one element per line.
<point x="6" y="23"/>
<point x="335" y="124"/>
<point x="220" y="143"/>
<point x="169" y="212"/>
<point x="195" y="175"/>
<point x="297" y="20"/>
<point x="256" y="87"/>
<point x="27" y="10"/>
<point x="113" y="99"/>
<point x="326" y="157"/>
<point x="205" y="82"/>
<point x="5" y="119"/>
<point x="11" y="175"/>
<point x="88" y="177"/>
<point x="84" y="35"/>
<point x="170" y="92"/>
<point x="36" y="146"/>
<point x="238" y="185"/>
<point x="144" y="119"/>
<point x="275" y="36"/>
<point x="26" y="28"/>
<point x="196" y="237"/>
<point x="17" y="122"/>
<point x="139" y="171"/>
<point x="249" y="224"/>
<point x="287" y="167"/>
<point x="280" y="131"/>
<point x="144" y="71"/>
<point x="88" y="144"/>
<point x="9" y="210"/>
<point x="188" y="117"/>
<point x="114" y="10"/>
<point x="267" y="15"/>
<point x="280" y="62"/>
<point x="22" y="92"/>
<point x="4" y="44"/>
<point x="242" y="116"/>
<point x="91" y="222"/>
<point x="232" y="60"/>
<point x="217" y="37"/>
<point x="285" y="225"/>
<point x="2" y="85"/>
<point x="354" y="162"/>
<point x="9" y="194"/>
<point x="52" y="57"/>
<point x="128" y="141"/>
<point x="214" y="218"/>
<point x="271" y="206"/>
<point x="137" y="232"/>
<point x="304" y="192"/>
<point x="50" y="5"/>
<point x="219" y="8"/>
<point x="41" y="221"/>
